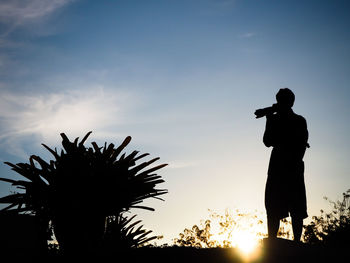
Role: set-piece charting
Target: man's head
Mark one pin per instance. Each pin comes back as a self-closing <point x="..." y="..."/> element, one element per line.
<point x="285" y="98"/>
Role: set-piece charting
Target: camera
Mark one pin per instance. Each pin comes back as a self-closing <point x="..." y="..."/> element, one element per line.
<point x="259" y="113"/>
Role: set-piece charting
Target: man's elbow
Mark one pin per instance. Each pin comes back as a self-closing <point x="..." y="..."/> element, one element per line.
<point x="267" y="143"/>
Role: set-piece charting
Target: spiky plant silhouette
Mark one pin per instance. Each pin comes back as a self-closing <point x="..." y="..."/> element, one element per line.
<point x="83" y="186"/>
<point x="123" y="233"/>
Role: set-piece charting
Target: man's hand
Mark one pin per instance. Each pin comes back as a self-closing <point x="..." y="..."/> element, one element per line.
<point x="266" y="111"/>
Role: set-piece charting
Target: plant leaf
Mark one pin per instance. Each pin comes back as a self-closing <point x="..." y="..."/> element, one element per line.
<point x="85" y="138"/>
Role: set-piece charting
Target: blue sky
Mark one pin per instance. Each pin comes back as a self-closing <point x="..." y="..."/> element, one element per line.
<point x="183" y="78"/>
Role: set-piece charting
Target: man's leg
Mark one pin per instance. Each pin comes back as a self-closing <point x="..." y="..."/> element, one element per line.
<point x="273" y="224"/>
<point x="297" y="224"/>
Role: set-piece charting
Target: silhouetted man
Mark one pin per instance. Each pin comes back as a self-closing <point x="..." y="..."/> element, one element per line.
<point x="285" y="193"/>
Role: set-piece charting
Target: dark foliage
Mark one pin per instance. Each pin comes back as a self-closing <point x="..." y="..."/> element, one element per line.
<point x="197" y="236"/>
<point x="331" y="229"/>
<point x="123" y="233"/>
<point x="81" y="188"/>
<point x="225" y="227"/>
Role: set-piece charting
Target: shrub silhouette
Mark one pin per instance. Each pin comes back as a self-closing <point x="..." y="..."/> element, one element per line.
<point x="333" y="228"/>
<point x="218" y="230"/>
<point x="197" y="236"/>
<point x="82" y="188"/>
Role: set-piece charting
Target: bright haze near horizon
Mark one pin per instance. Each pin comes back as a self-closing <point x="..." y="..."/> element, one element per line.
<point x="183" y="78"/>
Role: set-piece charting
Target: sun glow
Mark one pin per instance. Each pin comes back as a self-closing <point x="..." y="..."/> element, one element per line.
<point x="245" y="241"/>
<point x="240" y="230"/>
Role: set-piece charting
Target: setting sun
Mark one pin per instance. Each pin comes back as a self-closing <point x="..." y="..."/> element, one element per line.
<point x="245" y="241"/>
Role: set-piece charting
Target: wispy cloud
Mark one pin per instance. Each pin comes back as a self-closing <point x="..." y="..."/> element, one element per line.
<point x="21" y="11"/>
<point x="41" y="118"/>
<point x="247" y="35"/>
